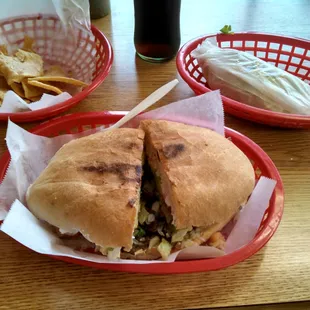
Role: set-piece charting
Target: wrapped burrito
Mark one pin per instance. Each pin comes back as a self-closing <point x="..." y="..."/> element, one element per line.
<point x="250" y="80"/>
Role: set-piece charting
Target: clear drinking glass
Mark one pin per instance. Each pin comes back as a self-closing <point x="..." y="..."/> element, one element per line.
<point x="157" y="29"/>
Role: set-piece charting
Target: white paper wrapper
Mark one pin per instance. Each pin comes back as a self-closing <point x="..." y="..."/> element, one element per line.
<point x="13" y="103"/>
<point x="31" y="153"/>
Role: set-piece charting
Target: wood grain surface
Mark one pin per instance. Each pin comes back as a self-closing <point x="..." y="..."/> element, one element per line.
<point x="278" y="274"/>
<point x="288" y="306"/>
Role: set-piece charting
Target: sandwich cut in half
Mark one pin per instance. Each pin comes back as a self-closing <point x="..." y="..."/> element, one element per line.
<point x="92" y="187"/>
<point x="194" y="181"/>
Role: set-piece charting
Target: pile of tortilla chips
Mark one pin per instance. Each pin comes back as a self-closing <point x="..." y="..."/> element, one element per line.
<point x="24" y="73"/>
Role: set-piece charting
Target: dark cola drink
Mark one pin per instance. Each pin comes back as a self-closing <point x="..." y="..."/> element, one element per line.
<point x="157" y="29"/>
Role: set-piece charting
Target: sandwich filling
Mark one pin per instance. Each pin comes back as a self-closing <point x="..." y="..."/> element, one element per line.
<point x="156" y="235"/>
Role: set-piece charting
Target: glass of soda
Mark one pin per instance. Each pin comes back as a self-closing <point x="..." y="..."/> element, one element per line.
<point x="157" y="29"/>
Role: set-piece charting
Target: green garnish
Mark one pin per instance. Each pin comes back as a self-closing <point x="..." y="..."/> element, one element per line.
<point x="139" y="232"/>
<point x="110" y="249"/>
<point x="226" y="30"/>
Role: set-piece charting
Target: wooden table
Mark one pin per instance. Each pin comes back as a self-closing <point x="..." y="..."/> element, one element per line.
<point x="278" y="274"/>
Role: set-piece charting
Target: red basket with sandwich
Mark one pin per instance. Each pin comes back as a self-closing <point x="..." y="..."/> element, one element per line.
<point x="262" y="164"/>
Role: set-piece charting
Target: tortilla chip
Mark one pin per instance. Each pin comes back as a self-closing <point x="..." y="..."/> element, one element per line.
<point x="23" y="64"/>
<point x="57" y="77"/>
<point x="3" y="49"/>
<point x="30" y="90"/>
<point x="55" y="71"/>
<point x="61" y="79"/>
<point x="46" y="86"/>
<point x="35" y="98"/>
<point x="18" y="89"/>
<point x="28" y="44"/>
<point x="4" y="87"/>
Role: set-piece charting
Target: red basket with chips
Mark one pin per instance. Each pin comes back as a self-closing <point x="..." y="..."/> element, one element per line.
<point x="93" y="57"/>
<point x="290" y="54"/>
<point x="262" y="165"/>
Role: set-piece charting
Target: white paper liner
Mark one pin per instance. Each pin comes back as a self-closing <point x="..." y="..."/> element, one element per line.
<point x="13" y="103"/>
<point x="31" y="153"/>
<point x="250" y="217"/>
<point x="204" y="111"/>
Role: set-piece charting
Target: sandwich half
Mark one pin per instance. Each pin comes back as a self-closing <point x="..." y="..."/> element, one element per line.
<point x="202" y="177"/>
<point x="92" y="187"/>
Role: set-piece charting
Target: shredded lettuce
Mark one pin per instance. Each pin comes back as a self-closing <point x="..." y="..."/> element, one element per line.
<point x="151" y="218"/>
<point x="179" y="235"/>
<point x="154" y="242"/>
<point x="188" y="243"/>
<point x="143" y="214"/>
<point x="114" y="253"/>
<point x="103" y="250"/>
<point x="164" y="248"/>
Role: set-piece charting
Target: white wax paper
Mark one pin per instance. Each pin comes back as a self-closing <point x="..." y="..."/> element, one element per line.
<point x="31" y="153"/>
<point x="250" y="217"/>
<point x="204" y="111"/>
<point x="13" y="103"/>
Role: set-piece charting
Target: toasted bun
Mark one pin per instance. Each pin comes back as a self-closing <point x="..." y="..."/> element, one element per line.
<point x="92" y="185"/>
<point x="204" y="177"/>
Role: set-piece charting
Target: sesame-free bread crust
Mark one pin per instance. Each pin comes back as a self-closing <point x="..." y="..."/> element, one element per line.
<point x="204" y="177"/>
<point x="92" y="185"/>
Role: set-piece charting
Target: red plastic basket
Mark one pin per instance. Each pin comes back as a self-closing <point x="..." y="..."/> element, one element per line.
<point x="262" y="164"/>
<point x="290" y="54"/>
<point x="91" y="56"/>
